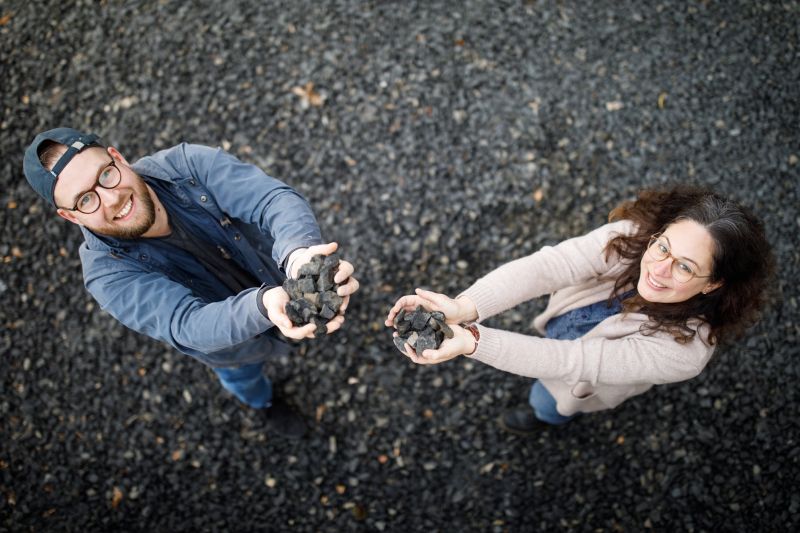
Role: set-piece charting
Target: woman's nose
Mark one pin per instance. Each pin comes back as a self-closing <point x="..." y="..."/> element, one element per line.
<point x="662" y="268"/>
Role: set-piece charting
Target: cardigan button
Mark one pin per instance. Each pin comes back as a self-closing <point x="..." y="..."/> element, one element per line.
<point x="203" y="198"/>
<point x="192" y="182"/>
<point x="237" y="237"/>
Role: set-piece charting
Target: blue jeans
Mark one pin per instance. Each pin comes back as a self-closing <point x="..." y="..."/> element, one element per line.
<point x="248" y="383"/>
<point x="544" y="405"/>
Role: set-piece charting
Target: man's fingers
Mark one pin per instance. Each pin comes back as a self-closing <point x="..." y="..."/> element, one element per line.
<point x="348" y="288"/>
<point x="324" y="249"/>
<point x="346" y="270"/>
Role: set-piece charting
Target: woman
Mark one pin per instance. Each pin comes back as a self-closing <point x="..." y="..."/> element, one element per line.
<point x="640" y="301"/>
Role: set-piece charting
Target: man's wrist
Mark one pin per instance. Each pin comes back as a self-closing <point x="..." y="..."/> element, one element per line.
<point x="291" y="260"/>
<point x="260" y="299"/>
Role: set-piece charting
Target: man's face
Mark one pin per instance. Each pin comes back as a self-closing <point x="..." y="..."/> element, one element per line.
<point x="126" y="211"/>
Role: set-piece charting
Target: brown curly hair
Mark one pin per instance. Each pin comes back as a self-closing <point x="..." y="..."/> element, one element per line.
<point x="742" y="260"/>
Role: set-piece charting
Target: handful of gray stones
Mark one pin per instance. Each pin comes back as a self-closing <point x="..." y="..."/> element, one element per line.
<point x="421" y="329"/>
<point x="312" y="295"/>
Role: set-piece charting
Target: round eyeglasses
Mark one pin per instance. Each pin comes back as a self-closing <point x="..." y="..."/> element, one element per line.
<point x="681" y="271"/>
<point x="89" y="201"/>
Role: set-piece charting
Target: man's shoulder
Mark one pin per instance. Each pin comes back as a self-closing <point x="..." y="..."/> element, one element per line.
<point x="176" y="162"/>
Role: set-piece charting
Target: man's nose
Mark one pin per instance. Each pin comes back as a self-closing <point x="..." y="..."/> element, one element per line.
<point x="109" y="197"/>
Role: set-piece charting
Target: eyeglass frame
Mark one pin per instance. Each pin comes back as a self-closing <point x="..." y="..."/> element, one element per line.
<point x="93" y="189"/>
<point x="654" y="239"/>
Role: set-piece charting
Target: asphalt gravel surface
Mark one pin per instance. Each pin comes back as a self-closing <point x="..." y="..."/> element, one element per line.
<point x="435" y="141"/>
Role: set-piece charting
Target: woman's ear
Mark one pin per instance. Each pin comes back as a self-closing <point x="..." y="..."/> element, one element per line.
<point x="711" y="287"/>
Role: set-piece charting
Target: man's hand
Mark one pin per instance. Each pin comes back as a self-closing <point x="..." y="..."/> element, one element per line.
<point x="344" y="275"/>
<point x="456" y="311"/>
<point x="275" y="301"/>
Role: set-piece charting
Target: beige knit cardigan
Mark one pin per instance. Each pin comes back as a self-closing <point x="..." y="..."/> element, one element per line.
<point x="609" y="364"/>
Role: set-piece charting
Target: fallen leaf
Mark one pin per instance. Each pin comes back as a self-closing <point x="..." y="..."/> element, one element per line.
<point x="382" y="459"/>
<point x="341" y="489"/>
<point x="662" y="100"/>
<point x="116" y="499"/>
<point x="427" y="413"/>
<point x="616" y="105"/>
<point x="16" y="252"/>
<point x="320" y="411"/>
<point x="621" y="440"/>
<point x="142" y="371"/>
<point x="359" y="513"/>
<point x="5" y="19"/>
<point x="308" y="96"/>
<point x="11" y="204"/>
<point x="177" y="455"/>
<point x="270" y="482"/>
<point x="323" y="500"/>
<point x="538" y="194"/>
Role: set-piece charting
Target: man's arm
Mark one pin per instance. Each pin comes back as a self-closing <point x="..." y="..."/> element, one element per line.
<point x="158" y="307"/>
<point x="245" y="192"/>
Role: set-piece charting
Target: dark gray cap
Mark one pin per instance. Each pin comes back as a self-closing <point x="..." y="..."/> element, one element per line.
<point x="42" y="180"/>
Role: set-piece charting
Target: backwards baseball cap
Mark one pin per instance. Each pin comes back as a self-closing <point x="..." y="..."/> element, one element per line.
<point x="42" y="180"/>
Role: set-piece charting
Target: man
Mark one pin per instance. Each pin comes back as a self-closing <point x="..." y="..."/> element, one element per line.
<point x="189" y="246"/>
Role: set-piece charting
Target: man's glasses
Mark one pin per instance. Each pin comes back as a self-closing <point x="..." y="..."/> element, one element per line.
<point x="658" y="249"/>
<point x="88" y="202"/>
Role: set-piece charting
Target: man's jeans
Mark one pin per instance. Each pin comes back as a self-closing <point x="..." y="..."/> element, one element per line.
<point x="248" y="383"/>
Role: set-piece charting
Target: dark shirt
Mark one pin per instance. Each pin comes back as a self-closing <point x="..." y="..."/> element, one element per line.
<point x="215" y="259"/>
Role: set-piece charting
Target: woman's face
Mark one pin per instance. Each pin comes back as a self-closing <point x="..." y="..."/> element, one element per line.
<point x="689" y="247"/>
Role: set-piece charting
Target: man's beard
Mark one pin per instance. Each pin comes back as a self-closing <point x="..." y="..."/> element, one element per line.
<point x="145" y="212"/>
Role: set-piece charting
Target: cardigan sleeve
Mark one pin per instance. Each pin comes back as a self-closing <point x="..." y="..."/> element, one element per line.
<point x="568" y="263"/>
<point x="606" y="357"/>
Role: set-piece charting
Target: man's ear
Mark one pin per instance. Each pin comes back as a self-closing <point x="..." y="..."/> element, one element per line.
<point x="113" y="152"/>
<point x="67" y="215"/>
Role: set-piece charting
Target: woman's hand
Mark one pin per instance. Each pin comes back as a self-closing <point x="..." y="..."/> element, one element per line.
<point x="455" y="311"/>
<point x="462" y="343"/>
<point x="275" y="301"/>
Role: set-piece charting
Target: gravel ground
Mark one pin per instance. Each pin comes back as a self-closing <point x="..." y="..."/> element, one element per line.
<point x="439" y="140"/>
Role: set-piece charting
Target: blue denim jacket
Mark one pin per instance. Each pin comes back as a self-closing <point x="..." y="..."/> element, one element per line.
<point x="165" y="293"/>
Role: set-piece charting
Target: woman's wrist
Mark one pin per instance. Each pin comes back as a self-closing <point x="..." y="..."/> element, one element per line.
<point x="471" y="338"/>
<point x="467" y="311"/>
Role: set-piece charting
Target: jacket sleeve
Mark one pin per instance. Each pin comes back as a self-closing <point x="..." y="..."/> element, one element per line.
<point x="569" y="263"/>
<point x="245" y="192"/>
<point x="627" y="360"/>
<point x="158" y="307"/>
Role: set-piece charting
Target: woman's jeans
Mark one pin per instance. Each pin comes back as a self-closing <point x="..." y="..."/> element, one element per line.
<point x="544" y="405"/>
<point x="248" y="383"/>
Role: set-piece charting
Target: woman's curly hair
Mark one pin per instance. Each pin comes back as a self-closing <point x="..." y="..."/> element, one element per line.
<point x="742" y="260"/>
